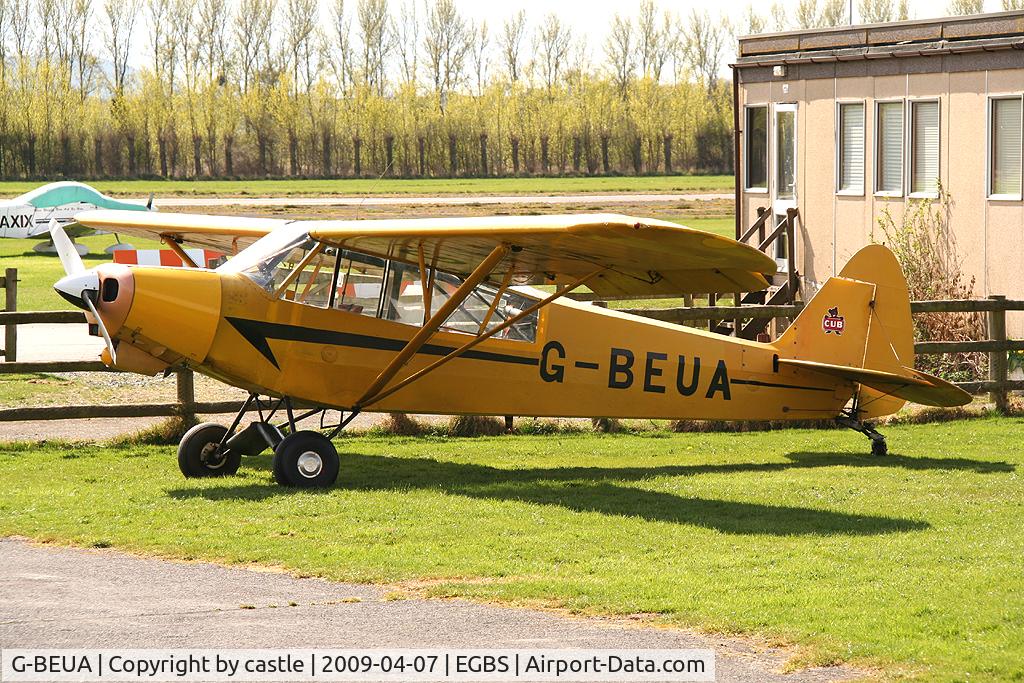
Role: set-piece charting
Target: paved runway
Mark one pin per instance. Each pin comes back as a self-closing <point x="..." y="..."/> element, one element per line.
<point x="65" y="598"/>
<point x="443" y="200"/>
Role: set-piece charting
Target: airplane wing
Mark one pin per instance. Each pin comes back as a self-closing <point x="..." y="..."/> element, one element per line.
<point x="642" y="256"/>
<point x="227" y="234"/>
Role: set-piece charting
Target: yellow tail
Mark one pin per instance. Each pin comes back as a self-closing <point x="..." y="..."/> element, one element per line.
<point x="858" y="328"/>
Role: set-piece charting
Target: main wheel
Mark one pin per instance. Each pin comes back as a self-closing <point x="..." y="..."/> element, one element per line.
<point x="878" y="447"/>
<point x="306" y="459"/>
<point x="201" y="455"/>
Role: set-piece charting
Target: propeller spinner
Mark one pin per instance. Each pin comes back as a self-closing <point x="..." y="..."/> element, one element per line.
<point x="79" y="286"/>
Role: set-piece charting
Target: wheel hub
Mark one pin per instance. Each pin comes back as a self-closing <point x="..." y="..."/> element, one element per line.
<point x="212" y="456"/>
<point x="310" y="464"/>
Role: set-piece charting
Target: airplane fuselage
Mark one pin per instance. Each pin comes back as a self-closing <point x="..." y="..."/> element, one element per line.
<point x="21" y="221"/>
<point x="584" y="361"/>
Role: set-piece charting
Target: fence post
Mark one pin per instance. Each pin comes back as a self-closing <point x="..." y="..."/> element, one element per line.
<point x="997" y="365"/>
<point x="11" y="304"/>
<point x="187" y="395"/>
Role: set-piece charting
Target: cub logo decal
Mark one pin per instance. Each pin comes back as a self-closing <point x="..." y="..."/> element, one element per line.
<point x="833" y="322"/>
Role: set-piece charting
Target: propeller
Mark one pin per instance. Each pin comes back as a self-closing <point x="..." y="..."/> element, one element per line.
<point x="69" y="257"/>
<point x="87" y="297"/>
<point x="80" y="286"/>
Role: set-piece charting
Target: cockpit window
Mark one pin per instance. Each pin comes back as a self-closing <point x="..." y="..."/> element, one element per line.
<point x="309" y="272"/>
<point x="479" y="312"/>
<point x="405" y="297"/>
<point x="360" y="280"/>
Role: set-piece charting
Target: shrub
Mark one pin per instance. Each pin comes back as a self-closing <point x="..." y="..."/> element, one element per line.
<point x="475" y="425"/>
<point x="400" y="424"/>
<point x="925" y="247"/>
<point x="165" y="433"/>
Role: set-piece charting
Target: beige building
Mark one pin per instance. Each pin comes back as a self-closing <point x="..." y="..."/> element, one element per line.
<point x="844" y="123"/>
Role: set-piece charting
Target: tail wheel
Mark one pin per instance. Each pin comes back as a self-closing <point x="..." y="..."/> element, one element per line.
<point x="306" y="459"/>
<point x="200" y="453"/>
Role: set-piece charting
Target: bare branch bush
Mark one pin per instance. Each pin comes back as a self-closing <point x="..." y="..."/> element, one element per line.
<point x="925" y="246"/>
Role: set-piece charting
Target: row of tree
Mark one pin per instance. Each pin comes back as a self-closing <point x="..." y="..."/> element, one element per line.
<point x="194" y="88"/>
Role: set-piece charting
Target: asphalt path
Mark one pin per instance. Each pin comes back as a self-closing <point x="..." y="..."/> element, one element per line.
<point x="58" y="597"/>
<point x="442" y="200"/>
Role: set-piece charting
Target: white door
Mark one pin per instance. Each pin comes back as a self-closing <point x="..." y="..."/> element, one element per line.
<point x="784" y="173"/>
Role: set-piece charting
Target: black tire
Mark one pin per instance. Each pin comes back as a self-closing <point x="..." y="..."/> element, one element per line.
<point x="306" y="460"/>
<point x="200" y="455"/>
<point x="879" y="447"/>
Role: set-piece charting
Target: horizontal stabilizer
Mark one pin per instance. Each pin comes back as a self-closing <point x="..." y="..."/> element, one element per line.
<point x="908" y="384"/>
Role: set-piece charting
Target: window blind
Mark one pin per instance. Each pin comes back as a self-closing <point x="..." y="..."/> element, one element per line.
<point x="1005" y="154"/>
<point x="890" y="147"/>
<point x="851" y="147"/>
<point x="757" y="148"/>
<point x="925" y="162"/>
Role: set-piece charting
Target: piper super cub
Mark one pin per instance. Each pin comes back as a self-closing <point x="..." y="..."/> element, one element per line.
<point x="431" y="316"/>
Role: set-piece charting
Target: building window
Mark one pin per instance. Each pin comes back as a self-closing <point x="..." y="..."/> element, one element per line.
<point x="757" y="148"/>
<point x="889" y="136"/>
<point x="1005" y="147"/>
<point x="785" y="152"/>
<point x="924" y="160"/>
<point x="851" y="148"/>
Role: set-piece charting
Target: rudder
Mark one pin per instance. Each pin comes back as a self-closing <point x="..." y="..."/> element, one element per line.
<point x="859" y="319"/>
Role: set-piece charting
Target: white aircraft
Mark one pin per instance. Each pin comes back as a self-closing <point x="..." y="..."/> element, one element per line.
<point x="29" y="215"/>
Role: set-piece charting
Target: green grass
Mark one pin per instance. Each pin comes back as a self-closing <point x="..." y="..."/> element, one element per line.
<point x="911" y="561"/>
<point x="20" y="389"/>
<point x="426" y="186"/>
<point x="724" y="226"/>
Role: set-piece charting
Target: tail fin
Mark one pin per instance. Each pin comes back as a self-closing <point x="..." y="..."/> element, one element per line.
<point x="858" y="328"/>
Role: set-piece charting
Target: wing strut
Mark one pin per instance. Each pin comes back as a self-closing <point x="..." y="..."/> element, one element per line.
<point x="562" y="291"/>
<point x="447" y="308"/>
<point x="173" y="245"/>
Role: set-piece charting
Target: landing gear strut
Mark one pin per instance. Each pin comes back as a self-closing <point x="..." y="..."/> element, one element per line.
<point x="302" y="458"/>
<point x="850" y="418"/>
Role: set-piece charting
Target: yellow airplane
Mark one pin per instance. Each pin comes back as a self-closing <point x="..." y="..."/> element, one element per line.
<point x="435" y="316"/>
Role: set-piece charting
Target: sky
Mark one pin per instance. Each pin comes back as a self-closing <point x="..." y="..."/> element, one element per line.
<point x="591" y="17"/>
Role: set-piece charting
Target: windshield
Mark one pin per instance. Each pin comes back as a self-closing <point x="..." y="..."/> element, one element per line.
<point x="259" y="251"/>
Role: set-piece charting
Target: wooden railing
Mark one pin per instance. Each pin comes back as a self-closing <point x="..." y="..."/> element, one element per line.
<point x="186" y="405"/>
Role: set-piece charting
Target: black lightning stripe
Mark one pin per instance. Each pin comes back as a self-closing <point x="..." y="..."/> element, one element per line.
<point x="258" y="332"/>
<point x="757" y="383"/>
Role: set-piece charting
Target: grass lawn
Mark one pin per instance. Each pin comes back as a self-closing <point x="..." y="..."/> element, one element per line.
<point x="724" y="226"/>
<point x="29" y="389"/>
<point x="911" y="562"/>
<point x="426" y="186"/>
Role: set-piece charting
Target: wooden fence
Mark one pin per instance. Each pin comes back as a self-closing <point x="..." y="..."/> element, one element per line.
<point x="996" y="346"/>
<point x="185" y="406"/>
